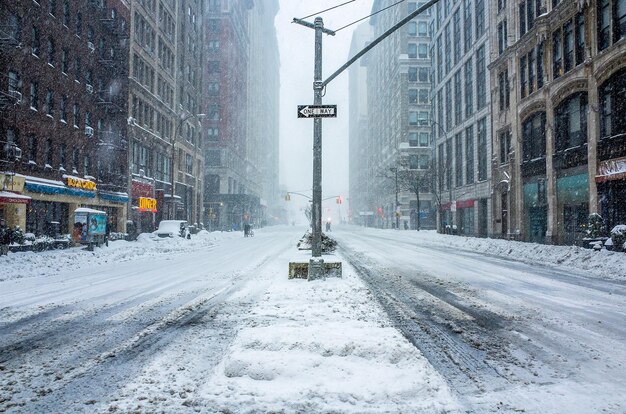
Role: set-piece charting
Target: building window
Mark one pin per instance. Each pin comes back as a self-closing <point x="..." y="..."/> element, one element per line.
<point x="440" y="166"/>
<point x="188" y="163"/>
<point x="422" y="29"/>
<point x="469" y="154"/>
<point x="32" y="148"/>
<point x="213" y="158"/>
<point x="571" y="122"/>
<point x="34" y="48"/>
<point x="481" y="86"/>
<point x="523" y="70"/>
<point x="439" y="60"/>
<point x="458" y="156"/>
<point x="449" y="161"/>
<point x="469" y="89"/>
<point x="34" y="95"/>
<point x="503" y="89"/>
<point x="76" y="115"/>
<point x="86" y="165"/>
<point x="412" y="118"/>
<point x="449" y="113"/>
<point x="66" y="13"/>
<point x="528" y="11"/>
<point x="79" y="24"/>
<point x="457" y="35"/>
<point x="49" y="152"/>
<point x="612" y="102"/>
<point x="50" y="102"/>
<point x="422" y="75"/>
<point x="611" y="22"/>
<point x="534" y="137"/>
<point x="557" y="57"/>
<point x="448" y="48"/>
<point x="482" y="149"/>
<point x="422" y="118"/>
<point x="52" y="7"/>
<point x="424" y="139"/>
<point x="480" y="18"/>
<point x="422" y="51"/>
<point x="412" y="74"/>
<point x="502" y="37"/>
<point x="63" y="108"/>
<point x="50" y="51"/>
<point x="413" y="163"/>
<point x="62" y="156"/>
<point x="412" y="50"/>
<point x="413" y="141"/>
<point x="540" y="70"/>
<point x="412" y="29"/>
<point x="467" y="17"/>
<point x="505" y="146"/>
<point x="458" y="98"/>
<point x="413" y="96"/>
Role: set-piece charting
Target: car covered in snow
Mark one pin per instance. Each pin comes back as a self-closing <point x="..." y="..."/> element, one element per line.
<point x="173" y="228"/>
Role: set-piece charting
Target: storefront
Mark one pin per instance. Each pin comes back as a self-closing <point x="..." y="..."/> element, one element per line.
<point x="54" y="202"/>
<point x="572" y="195"/>
<point x="611" y="180"/>
<point x="535" y="210"/>
<point x="144" y="205"/>
<point x="13" y="203"/>
<point x="465" y="213"/>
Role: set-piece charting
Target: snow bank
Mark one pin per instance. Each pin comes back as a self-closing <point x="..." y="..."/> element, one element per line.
<point x="323" y="346"/>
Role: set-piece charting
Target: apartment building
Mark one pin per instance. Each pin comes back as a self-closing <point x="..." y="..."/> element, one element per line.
<point x="461" y="127"/>
<point x="398" y="87"/>
<point x="63" y="89"/>
<point x="558" y="80"/>
<point x="165" y="111"/>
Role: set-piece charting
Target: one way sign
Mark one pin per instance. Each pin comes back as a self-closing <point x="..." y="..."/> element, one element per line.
<point x="317" y="111"/>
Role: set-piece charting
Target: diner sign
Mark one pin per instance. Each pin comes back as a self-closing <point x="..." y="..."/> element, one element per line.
<point x="80" y="183"/>
<point x="147" y="204"/>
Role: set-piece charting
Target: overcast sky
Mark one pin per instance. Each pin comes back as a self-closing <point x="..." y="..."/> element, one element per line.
<point x="296" y="44"/>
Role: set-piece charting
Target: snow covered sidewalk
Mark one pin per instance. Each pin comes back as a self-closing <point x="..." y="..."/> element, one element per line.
<point x="323" y="346"/>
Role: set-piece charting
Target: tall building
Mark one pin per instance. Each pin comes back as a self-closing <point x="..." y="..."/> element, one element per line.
<point x="165" y="111"/>
<point x="359" y="158"/>
<point x="63" y="99"/>
<point x="241" y="142"/>
<point x="558" y="76"/>
<point x="398" y="86"/>
<point x="263" y="101"/>
<point x="461" y="127"/>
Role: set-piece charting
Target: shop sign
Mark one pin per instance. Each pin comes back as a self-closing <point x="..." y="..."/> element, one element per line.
<point x="80" y="183"/>
<point x="147" y="204"/>
<point x="13" y="183"/>
<point x="141" y="189"/>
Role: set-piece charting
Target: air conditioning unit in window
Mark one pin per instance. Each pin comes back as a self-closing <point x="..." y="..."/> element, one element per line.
<point x="89" y="131"/>
<point x="91" y="47"/>
<point x="12" y="151"/>
<point x="89" y="88"/>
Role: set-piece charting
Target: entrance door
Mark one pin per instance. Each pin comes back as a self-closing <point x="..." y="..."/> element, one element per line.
<point x="538" y="224"/>
<point x="504" y="203"/>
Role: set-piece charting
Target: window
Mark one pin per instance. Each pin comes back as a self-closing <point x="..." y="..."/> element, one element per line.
<point x="75" y="155"/>
<point x="449" y="105"/>
<point x="423" y="75"/>
<point x="50" y="51"/>
<point x="534" y="137"/>
<point x="531" y="71"/>
<point x="413" y="141"/>
<point x="504" y="89"/>
<point x="412" y="50"/>
<point x="568" y="47"/>
<point x="482" y="149"/>
<point x="34" y="48"/>
<point x="458" y="97"/>
<point x="66" y="13"/>
<point x="62" y="152"/>
<point x="423" y="161"/>
<point x="422" y="118"/>
<point x="469" y="85"/>
<point x="523" y="70"/>
<point x="480" y="18"/>
<point x="412" y="118"/>
<point x="63" y="108"/>
<point x="570" y="119"/>
<point x="64" y="58"/>
<point x="528" y="11"/>
<point x="439" y="60"/>
<point x="52" y="7"/>
<point x="79" y="24"/>
<point x="611" y="22"/>
<point x="214" y="66"/>
<point x="481" y="86"/>
<point x="14" y="82"/>
<point x="505" y="146"/>
<point x="77" y="68"/>
<point x="580" y="38"/>
<point x="32" y="148"/>
<point x="76" y="115"/>
<point x="424" y="139"/>
<point x="449" y="163"/>
<point x="458" y="157"/>
<point x="213" y="158"/>
<point x="412" y="74"/>
<point x="413" y="163"/>
<point x="422" y="51"/>
<point x="49" y="152"/>
<point x="502" y="36"/>
<point x="412" y="29"/>
<point x="86" y="165"/>
<point x="50" y="102"/>
<point x="540" y="70"/>
<point x="557" y="57"/>
<point x="423" y="96"/>
<point x="422" y="29"/>
<point x="188" y="164"/>
<point x="612" y="101"/>
<point x="469" y="155"/>
<point x="457" y="35"/>
<point x="448" y="48"/>
<point x="467" y="16"/>
<point x="87" y="119"/>
<point x="440" y="166"/>
<point x="34" y="95"/>
<point x="412" y="96"/>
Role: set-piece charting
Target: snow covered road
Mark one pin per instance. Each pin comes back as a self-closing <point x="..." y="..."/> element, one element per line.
<point x="506" y="335"/>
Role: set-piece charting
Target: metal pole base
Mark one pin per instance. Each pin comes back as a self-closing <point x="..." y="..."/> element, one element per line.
<point x="316" y="269"/>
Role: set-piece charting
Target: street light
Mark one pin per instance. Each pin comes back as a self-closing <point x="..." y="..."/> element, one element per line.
<point x="173" y="143"/>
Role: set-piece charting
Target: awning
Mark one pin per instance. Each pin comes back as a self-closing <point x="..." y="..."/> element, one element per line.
<point x="13" y="198"/>
<point x="114" y="197"/>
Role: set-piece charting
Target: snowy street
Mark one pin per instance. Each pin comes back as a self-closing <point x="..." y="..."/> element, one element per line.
<point x="420" y="322"/>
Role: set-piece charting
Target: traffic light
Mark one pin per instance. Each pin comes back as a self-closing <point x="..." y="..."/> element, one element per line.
<point x="339" y="200"/>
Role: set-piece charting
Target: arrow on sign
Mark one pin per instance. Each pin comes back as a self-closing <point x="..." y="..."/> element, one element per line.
<point x="317" y="111"/>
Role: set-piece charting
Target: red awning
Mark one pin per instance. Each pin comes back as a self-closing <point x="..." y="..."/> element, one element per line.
<point x="13" y="198"/>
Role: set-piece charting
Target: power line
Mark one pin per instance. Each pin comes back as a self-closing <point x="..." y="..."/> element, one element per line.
<point x="324" y="11"/>
<point x="373" y="14"/>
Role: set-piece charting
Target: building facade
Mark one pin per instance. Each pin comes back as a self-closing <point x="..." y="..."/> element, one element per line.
<point x="63" y="137"/>
<point x="461" y="126"/>
<point x="241" y="140"/>
<point x="558" y="78"/>
<point x="398" y="86"/>
<point x="165" y="112"/>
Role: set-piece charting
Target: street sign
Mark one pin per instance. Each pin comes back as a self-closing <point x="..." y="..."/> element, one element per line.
<point x="317" y="111"/>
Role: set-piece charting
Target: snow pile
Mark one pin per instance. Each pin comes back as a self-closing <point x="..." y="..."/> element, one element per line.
<point x="323" y="346"/>
<point x="53" y="262"/>
<point x="604" y="264"/>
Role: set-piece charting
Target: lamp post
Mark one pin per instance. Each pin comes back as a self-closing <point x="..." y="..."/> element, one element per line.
<point x="173" y="143"/>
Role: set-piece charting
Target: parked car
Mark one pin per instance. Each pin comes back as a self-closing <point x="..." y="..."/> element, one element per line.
<point x="173" y="228"/>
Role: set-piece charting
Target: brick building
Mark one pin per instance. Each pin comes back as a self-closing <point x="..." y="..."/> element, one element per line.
<point x="63" y="102"/>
